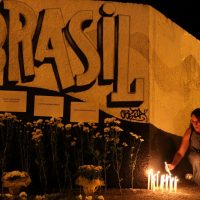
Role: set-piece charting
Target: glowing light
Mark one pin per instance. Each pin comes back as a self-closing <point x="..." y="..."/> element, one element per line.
<point x="161" y="182"/>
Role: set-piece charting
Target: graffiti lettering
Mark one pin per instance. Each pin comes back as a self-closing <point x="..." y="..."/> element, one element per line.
<point x="51" y="47"/>
<point x="83" y="47"/>
<point x="36" y="38"/>
<point x="134" y="114"/>
<point x="2" y="40"/>
<point x="22" y="24"/>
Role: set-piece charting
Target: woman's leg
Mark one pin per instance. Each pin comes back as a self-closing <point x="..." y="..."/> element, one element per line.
<point x="194" y="159"/>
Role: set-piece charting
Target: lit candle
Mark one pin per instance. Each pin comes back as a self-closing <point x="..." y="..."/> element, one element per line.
<point x="162" y="181"/>
<point x="153" y="182"/>
<point x="150" y="172"/>
<point x="175" y="183"/>
<point x="171" y="184"/>
<point x="157" y="180"/>
<point x="167" y="181"/>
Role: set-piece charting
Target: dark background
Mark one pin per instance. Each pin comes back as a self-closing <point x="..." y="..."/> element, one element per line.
<point x="185" y="13"/>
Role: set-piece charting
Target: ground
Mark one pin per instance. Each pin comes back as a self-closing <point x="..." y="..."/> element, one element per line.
<point x="186" y="191"/>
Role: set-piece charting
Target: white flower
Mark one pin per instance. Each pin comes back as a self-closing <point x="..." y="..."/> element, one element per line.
<point x="124" y="144"/>
<point x="58" y="119"/>
<point x="100" y="197"/>
<point x="91" y="167"/>
<point x="88" y="198"/>
<point x="116" y="140"/>
<point x="106" y="130"/>
<point x="23" y="195"/>
<point x="97" y="134"/>
<point x="52" y="119"/>
<point x="106" y="120"/>
<point x="73" y="143"/>
<point x="94" y="127"/>
<point x="15" y="179"/>
<point x="117" y="129"/>
<point x="7" y="114"/>
<point x="36" y="136"/>
<point x="39" y="197"/>
<point x="134" y="135"/>
<point x="91" y="123"/>
<point x="80" y="124"/>
<point x="86" y="129"/>
<point x="75" y="125"/>
<point x="141" y="140"/>
<point x="47" y="121"/>
<point x="60" y="125"/>
<point x="117" y="122"/>
<point x="29" y="124"/>
<point x="79" y="197"/>
<point x="39" y="121"/>
<point x="12" y="174"/>
<point x="8" y="196"/>
<point x="109" y="120"/>
<point x="188" y="176"/>
<point x="68" y="127"/>
<point x="38" y="131"/>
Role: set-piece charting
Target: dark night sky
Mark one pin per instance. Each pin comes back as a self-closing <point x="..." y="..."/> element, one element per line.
<point x="185" y="13"/>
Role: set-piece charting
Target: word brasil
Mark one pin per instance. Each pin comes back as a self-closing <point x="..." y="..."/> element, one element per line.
<point x="29" y="39"/>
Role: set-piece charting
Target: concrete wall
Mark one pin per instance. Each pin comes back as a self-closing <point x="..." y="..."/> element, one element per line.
<point x="122" y="59"/>
<point x="174" y="74"/>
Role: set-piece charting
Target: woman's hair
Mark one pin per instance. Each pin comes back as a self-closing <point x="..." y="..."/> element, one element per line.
<point x="196" y="113"/>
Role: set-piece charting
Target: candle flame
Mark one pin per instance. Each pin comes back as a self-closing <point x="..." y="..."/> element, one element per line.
<point x="162" y="182"/>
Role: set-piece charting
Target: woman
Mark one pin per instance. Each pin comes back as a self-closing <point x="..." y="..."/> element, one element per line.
<point x="191" y="141"/>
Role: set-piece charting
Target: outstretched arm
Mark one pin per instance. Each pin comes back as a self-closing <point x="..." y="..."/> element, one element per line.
<point x="181" y="151"/>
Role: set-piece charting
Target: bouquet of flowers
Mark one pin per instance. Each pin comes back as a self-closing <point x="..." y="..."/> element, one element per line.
<point x="15" y="180"/>
<point x="89" y="177"/>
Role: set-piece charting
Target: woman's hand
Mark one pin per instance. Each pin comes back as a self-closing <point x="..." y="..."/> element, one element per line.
<point x="171" y="166"/>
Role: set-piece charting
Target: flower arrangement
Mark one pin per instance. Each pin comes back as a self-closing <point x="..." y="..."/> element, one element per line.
<point x="90" y="171"/>
<point x="23" y="196"/>
<point x="114" y="146"/>
<point x="89" y="177"/>
<point x="60" y="150"/>
<point x="135" y="148"/>
<point x="100" y="197"/>
<point x="15" y="180"/>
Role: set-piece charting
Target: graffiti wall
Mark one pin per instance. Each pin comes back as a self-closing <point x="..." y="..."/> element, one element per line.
<point x="75" y="59"/>
<point x="96" y="52"/>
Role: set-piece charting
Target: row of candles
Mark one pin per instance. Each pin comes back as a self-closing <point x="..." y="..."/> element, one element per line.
<point x="162" y="182"/>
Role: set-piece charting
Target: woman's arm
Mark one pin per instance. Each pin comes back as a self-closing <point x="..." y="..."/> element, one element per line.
<point x="181" y="151"/>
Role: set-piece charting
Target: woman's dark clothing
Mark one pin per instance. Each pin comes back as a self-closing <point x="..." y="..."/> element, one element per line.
<point x="194" y="156"/>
